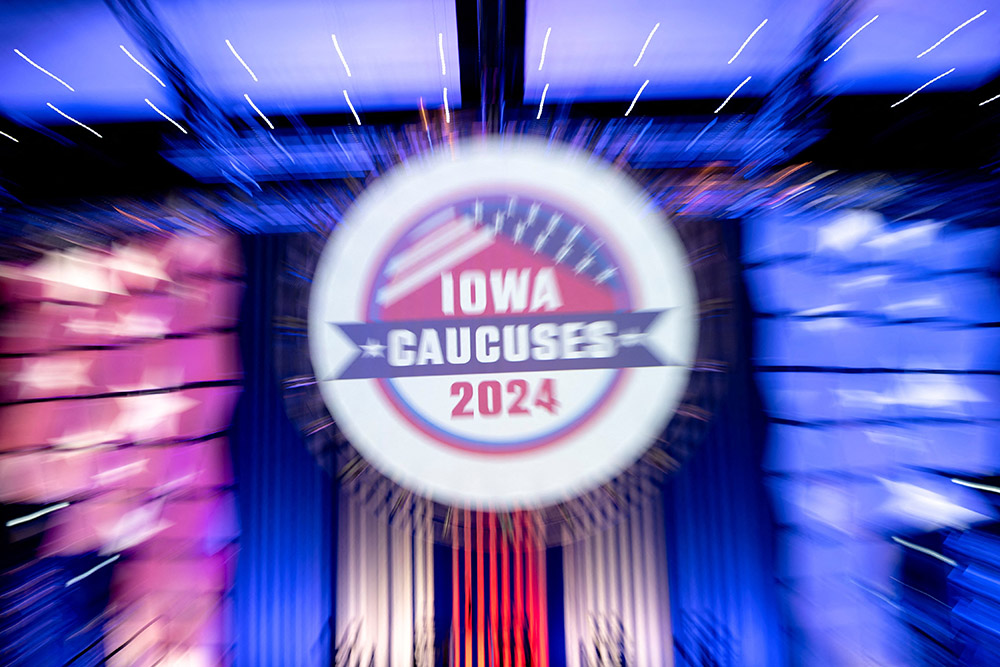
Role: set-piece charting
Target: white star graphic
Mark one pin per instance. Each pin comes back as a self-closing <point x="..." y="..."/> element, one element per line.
<point x="631" y="337"/>
<point x="84" y="438"/>
<point x="89" y="327"/>
<point x="150" y="416"/>
<point x="372" y="348"/>
<point x="75" y="275"/>
<point x="135" y="260"/>
<point x="48" y="373"/>
<point x="139" y="325"/>
<point x="134" y="527"/>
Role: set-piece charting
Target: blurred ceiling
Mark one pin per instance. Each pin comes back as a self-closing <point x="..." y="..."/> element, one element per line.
<point x="390" y="46"/>
<point x="124" y="67"/>
<point x="593" y="50"/>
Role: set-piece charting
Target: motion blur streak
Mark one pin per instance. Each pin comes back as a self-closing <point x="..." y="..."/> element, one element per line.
<point x="120" y="373"/>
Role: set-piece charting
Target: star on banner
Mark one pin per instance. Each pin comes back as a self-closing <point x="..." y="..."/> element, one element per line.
<point x="372" y="348"/>
<point x="631" y="337"/>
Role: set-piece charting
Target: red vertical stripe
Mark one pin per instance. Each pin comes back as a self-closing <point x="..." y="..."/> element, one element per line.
<point x="532" y="605"/>
<point x="480" y="592"/>
<point x="494" y="594"/>
<point x="506" y="636"/>
<point x="468" y="588"/>
<point x="529" y="572"/>
<point x="455" y="625"/>
<point x="518" y="593"/>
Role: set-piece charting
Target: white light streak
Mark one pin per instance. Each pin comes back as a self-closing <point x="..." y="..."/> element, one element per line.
<point x="144" y="68"/>
<point x="261" y="113"/>
<point x="352" y="108"/>
<point x="340" y="53"/>
<point x="643" y="52"/>
<point x="176" y="124"/>
<point x="545" y="46"/>
<point x="995" y="97"/>
<point x="922" y="87"/>
<point x="441" y="52"/>
<point x="40" y="513"/>
<point x="68" y="117"/>
<point x="731" y="95"/>
<point x="242" y="62"/>
<point x="971" y="485"/>
<point x="541" y="103"/>
<point x="17" y="142"/>
<point x="855" y="34"/>
<point x="42" y="69"/>
<point x="951" y="33"/>
<point x="925" y="550"/>
<point x="636" y="98"/>
<point x="744" y="45"/>
<point x="92" y="570"/>
<point x="447" y="112"/>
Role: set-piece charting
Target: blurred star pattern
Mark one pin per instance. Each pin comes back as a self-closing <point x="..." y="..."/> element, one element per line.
<point x="119" y="371"/>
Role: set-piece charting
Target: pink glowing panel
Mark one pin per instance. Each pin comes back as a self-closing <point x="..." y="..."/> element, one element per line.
<point x="208" y="304"/>
<point x="53" y="375"/>
<point x="189" y="576"/>
<point x="204" y="256"/>
<point x="201" y="359"/>
<point x="63" y="424"/>
<point x="209" y="521"/>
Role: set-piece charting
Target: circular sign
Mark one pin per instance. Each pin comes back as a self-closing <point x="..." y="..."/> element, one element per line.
<point x="508" y="325"/>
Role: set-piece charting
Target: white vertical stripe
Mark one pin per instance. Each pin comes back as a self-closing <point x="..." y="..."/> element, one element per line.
<point x="650" y="555"/>
<point x="418" y="581"/>
<point x="590" y="619"/>
<point x="382" y="583"/>
<point x="642" y="642"/>
<point x="569" y="600"/>
<point x="614" y="583"/>
<point x="627" y="586"/>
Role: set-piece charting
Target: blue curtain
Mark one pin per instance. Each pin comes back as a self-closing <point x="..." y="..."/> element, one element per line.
<point x="283" y="593"/>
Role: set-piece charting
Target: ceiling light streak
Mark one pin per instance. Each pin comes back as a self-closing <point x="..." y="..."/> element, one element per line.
<point x="447" y="112"/>
<point x="340" y="53"/>
<point x="971" y="485"/>
<point x="40" y="513"/>
<point x="176" y="124"/>
<point x="995" y="97"/>
<point x="144" y="68"/>
<point x="922" y="87"/>
<point x="352" y="108"/>
<point x="242" y="62"/>
<point x="266" y="120"/>
<point x="68" y="117"/>
<point x="43" y="70"/>
<point x="441" y="51"/>
<point x="951" y="33"/>
<point x="541" y="103"/>
<point x="636" y="98"/>
<point x="545" y="46"/>
<point x="744" y="45"/>
<point x="925" y="550"/>
<point x="855" y="34"/>
<point x="92" y="570"/>
<point x="731" y="95"/>
<point x="17" y="142"/>
<point x="641" y="53"/>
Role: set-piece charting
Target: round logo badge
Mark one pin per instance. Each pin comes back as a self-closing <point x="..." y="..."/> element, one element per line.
<point x="507" y="325"/>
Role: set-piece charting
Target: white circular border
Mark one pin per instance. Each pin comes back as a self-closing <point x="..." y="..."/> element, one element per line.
<point x="658" y="275"/>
